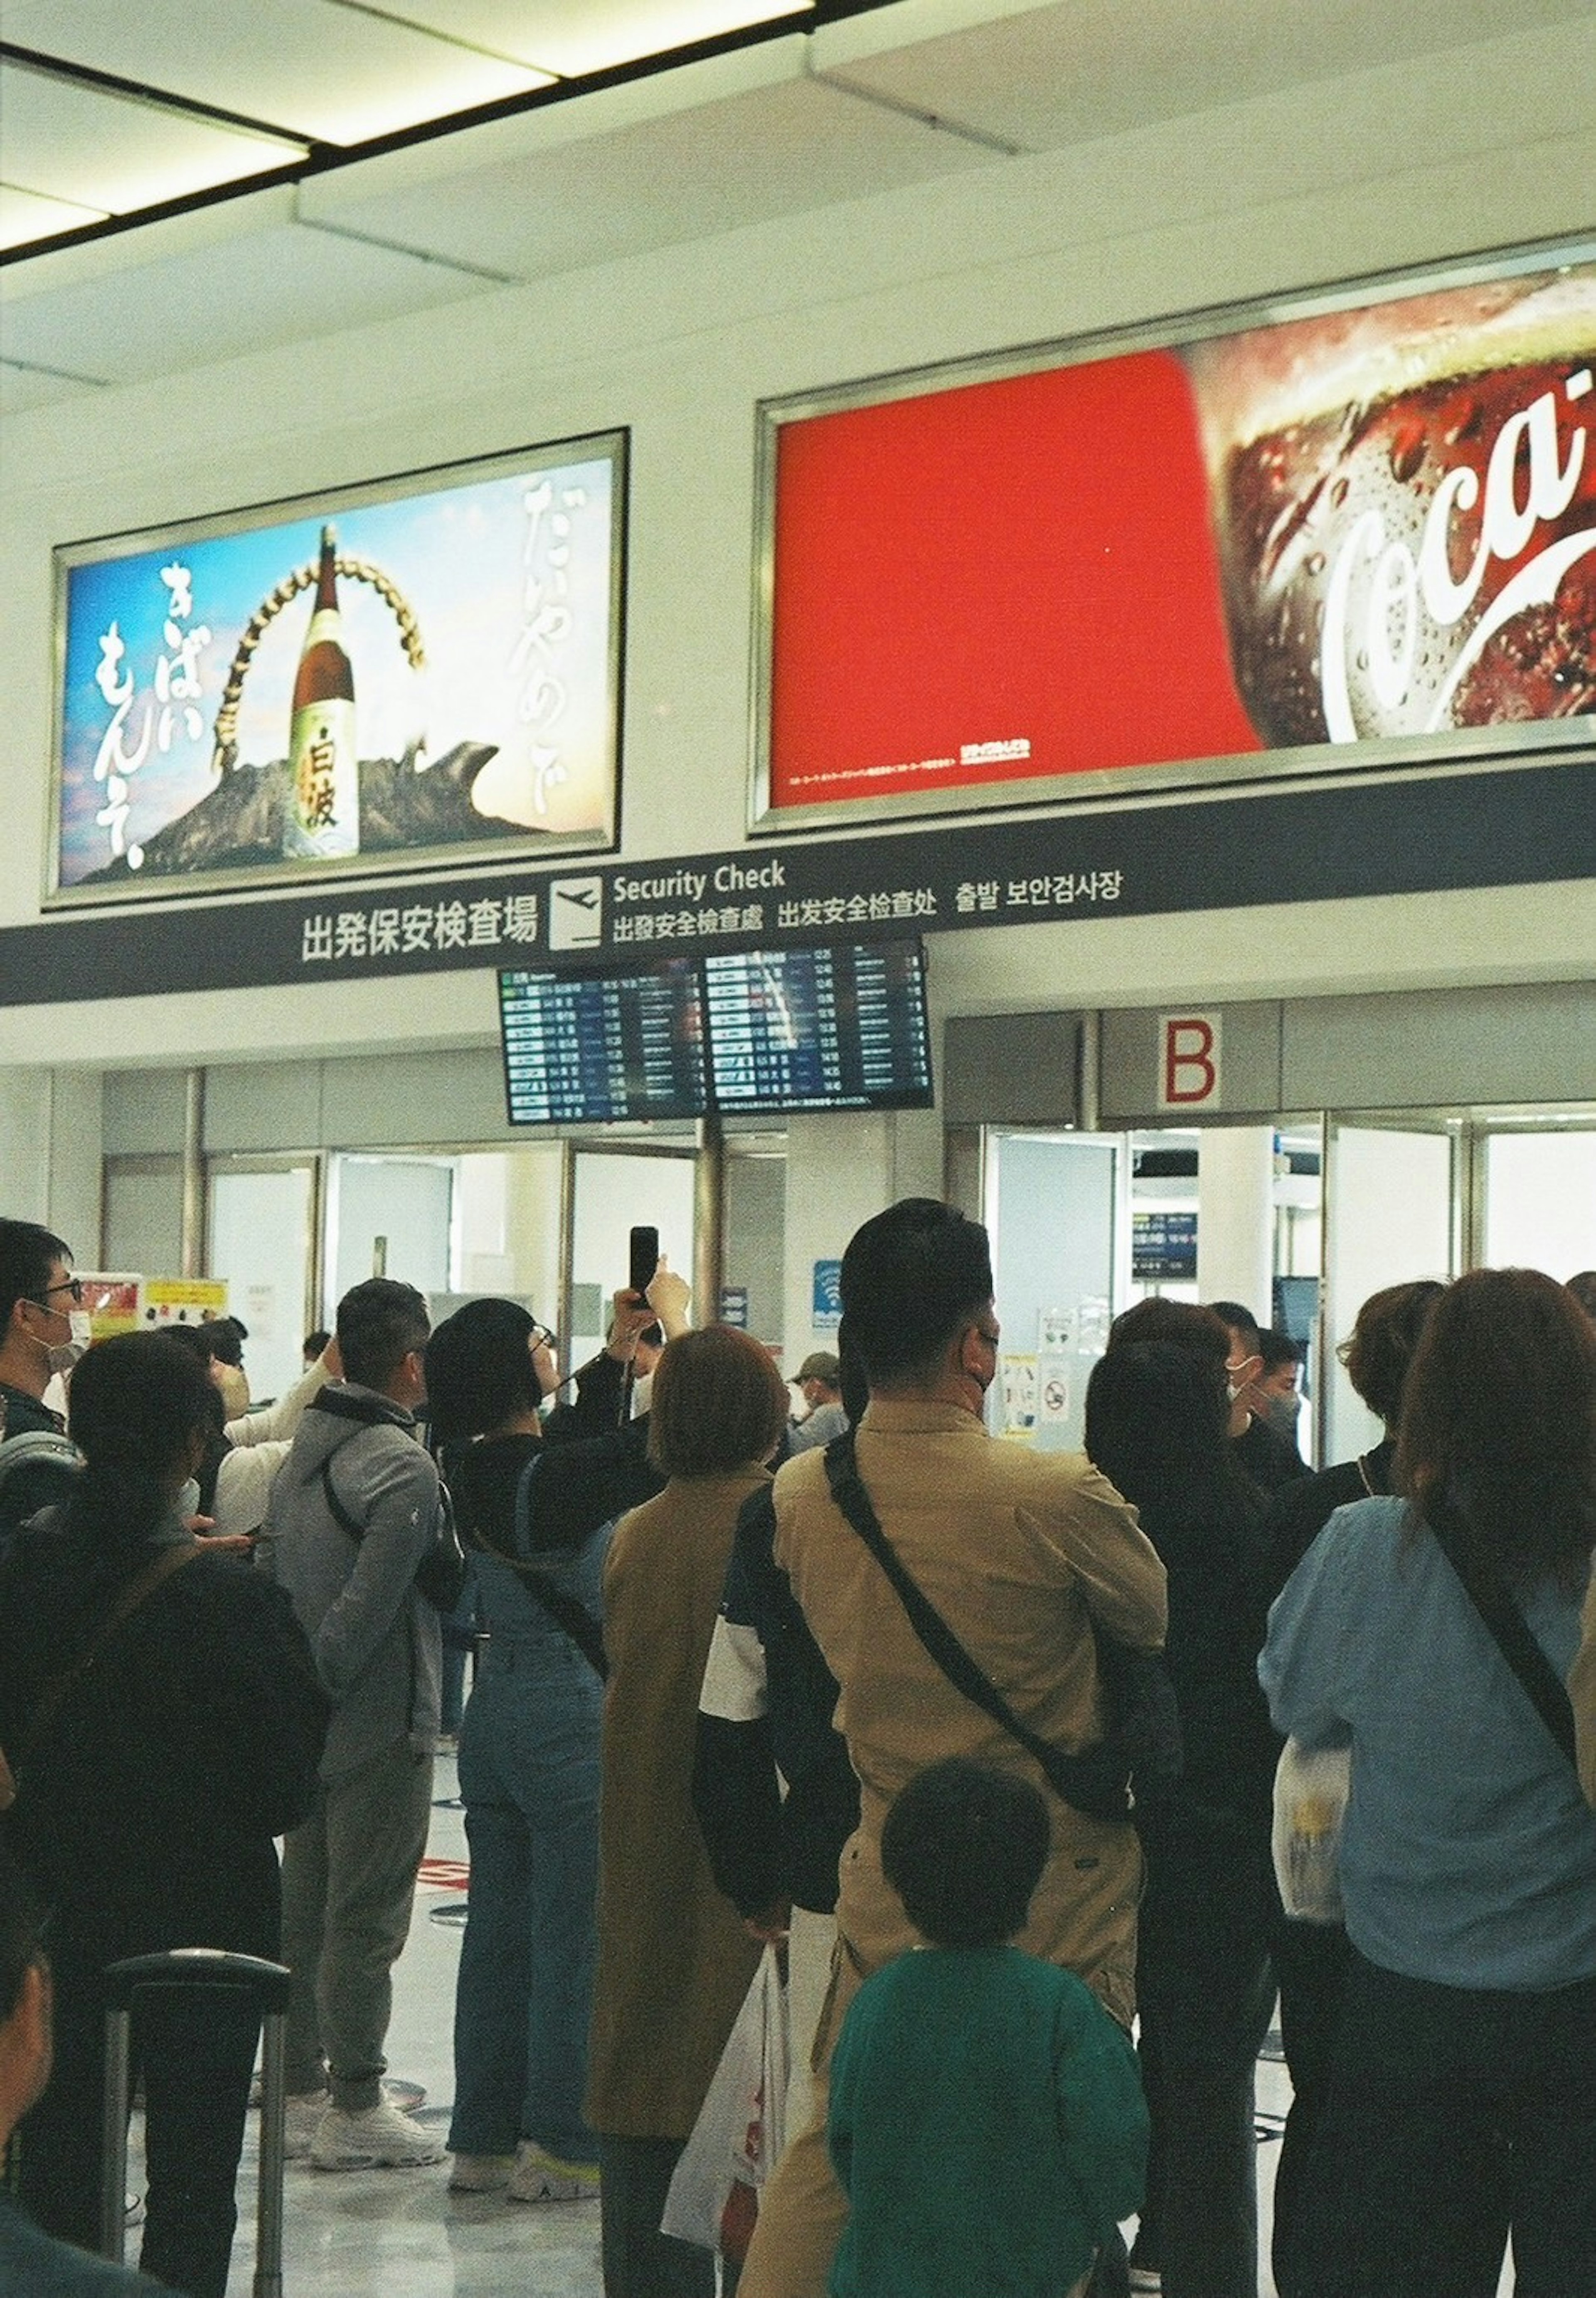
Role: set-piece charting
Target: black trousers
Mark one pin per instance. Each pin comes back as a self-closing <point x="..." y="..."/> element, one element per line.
<point x="196" y="2055"/>
<point x="1205" y="1991"/>
<point x="1455" y="2116"/>
<point x="639" y="2261"/>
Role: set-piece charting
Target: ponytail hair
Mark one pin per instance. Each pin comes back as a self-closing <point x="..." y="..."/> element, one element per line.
<point x="135" y="1405"/>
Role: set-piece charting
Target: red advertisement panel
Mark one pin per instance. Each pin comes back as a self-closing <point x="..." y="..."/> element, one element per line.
<point x="1366" y="527"/>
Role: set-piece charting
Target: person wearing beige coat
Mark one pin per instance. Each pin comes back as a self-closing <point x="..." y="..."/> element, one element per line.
<point x="1021" y="1552"/>
<point x="675" y="1960"/>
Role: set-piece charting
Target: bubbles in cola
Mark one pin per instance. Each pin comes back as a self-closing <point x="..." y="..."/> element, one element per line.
<point x="1404" y="501"/>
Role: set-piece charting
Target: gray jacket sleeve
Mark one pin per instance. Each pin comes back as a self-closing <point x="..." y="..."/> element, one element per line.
<point x="387" y="1483"/>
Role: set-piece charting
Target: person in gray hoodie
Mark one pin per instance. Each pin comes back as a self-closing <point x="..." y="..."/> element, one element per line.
<point x="354" y="1512"/>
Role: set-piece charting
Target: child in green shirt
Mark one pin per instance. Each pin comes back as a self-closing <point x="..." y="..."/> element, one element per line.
<point x="987" y="2121"/>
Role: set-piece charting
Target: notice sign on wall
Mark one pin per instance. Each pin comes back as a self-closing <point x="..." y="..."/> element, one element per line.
<point x="1366" y="536"/>
<point x="419" y="667"/>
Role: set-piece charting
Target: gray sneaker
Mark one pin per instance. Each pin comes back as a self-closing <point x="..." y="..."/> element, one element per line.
<point x="378" y="2138"/>
<point x="302" y="2119"/>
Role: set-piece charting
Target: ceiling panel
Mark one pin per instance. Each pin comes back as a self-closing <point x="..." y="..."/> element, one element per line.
<point x="1046" y="77"/>
<point x="104" y="151"/>
<point x="278" y="285"/>
<point x="338" y="74"/>
<point x="29" y="215"/>
<point x="773" y="151"/>
<point x="572" y="36"/>
<point x="21" y="388"/>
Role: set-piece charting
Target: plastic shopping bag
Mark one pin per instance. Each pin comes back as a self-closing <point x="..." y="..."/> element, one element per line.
<point x="740" y="2129"/>
<point x="1310" y="1791"/>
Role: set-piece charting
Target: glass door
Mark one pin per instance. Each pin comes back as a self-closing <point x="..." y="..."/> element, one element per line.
<point x="1533" y="1201"/>
<point x="1061" y="1264"/>
<point x="1392" y="1214"/>
<point x="262" y="1230"/>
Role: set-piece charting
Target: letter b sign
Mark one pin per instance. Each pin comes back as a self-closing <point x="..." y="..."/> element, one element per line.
<point x="1189" y="1061"/>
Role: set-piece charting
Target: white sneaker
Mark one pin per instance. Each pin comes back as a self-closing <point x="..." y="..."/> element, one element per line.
<point x="540" y="2178"/>
<point x="379" y="2138"/>
<point x="480" y="2174"/>
<point x="302" y="2119"/>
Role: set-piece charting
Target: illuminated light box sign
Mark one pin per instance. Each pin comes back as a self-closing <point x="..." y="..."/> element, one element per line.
<point x="416" y="670"/>
<point x="1364" y="534"/>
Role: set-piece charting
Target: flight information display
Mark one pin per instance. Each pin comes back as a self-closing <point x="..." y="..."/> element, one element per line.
<point x="595" y="1049"/>
<point x="841" y="1027"/>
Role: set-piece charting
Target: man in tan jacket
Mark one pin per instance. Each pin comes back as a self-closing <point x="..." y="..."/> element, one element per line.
<point x="1020" y="1552"/>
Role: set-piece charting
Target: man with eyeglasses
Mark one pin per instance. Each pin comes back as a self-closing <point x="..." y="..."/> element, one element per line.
<point x="38" y="1295"/>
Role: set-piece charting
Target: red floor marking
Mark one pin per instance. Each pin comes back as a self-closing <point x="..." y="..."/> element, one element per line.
<point x="443" y="1875"/>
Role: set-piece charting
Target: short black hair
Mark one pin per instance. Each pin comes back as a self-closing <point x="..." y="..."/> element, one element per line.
<point x="1277" y="1349"/>
<point x="21" y="1931"/>
<point x="964" y="1846"/>
<point x="479" y="1369"/>
<point x="1241" y="1321"/>
<point x="379" y="1323"/>
<point x="27" y="1253"/>
<point x="912" y="1278"/>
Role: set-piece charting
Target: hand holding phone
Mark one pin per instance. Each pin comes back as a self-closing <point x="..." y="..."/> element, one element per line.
<point x="644" y="1258"/>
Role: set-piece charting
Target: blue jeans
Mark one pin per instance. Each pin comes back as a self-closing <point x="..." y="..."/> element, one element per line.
<point x="529" y="1777"/>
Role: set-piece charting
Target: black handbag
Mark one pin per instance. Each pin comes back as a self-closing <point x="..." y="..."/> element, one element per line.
<point x="1131" y="1771"/>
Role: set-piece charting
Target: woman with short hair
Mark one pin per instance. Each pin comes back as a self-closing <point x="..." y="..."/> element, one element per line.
<point x="674" y="1961"/>
<point x="1461" y="2093"/>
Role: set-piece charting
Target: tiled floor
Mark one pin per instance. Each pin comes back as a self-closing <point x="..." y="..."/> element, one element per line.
<point x="400" y="2234"/>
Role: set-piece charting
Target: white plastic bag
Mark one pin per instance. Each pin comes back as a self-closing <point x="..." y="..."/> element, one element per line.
<point x="740" y="2129"/>
<point x="1310" y="1791"/>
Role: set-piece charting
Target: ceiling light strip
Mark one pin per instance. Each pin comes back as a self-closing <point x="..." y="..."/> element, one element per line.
<point x="158" y="99"/>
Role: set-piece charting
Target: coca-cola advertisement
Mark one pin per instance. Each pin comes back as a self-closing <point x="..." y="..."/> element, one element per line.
<point x="1363" y="535"/>
<point x="412" y="670"/>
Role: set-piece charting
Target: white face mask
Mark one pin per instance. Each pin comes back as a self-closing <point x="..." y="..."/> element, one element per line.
<point x="67" y="1353"/>
<point x="187" y="1502"/>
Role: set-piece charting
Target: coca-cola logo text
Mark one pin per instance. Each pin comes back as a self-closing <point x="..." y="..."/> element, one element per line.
<point x="1414" y="600"/>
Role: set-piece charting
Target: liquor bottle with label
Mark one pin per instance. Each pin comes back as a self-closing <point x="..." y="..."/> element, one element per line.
<point x="323" y="820"/>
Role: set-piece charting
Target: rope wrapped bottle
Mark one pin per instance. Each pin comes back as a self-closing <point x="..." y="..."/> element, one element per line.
<point x="224" y="756"/>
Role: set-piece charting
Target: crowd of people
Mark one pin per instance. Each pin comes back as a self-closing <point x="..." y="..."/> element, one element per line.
<point x="895" y="1698"/>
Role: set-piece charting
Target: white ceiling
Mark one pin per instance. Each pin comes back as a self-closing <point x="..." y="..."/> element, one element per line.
<point x="817" y="107"/>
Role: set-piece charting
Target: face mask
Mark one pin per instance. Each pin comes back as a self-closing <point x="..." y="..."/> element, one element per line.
<point x="68" y="1353"/>
<point x="187" y="1502"/>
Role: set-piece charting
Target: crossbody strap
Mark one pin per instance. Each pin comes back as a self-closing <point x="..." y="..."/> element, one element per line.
<point x="53" y="1691"/>
<point x="567" y="1611"/>
<point x="964" y="1673"/>
<point x="1492" y="1600"/>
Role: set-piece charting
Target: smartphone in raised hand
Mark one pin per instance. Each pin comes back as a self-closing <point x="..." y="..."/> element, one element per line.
<point x="644" y="1258"/>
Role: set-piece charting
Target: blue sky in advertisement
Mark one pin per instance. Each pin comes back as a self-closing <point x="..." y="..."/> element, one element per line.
<point x="509" y="582"/>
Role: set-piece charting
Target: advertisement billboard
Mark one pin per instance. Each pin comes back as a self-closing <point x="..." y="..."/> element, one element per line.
<point x="1355" y="531"/>
<point x="418" y="669"/>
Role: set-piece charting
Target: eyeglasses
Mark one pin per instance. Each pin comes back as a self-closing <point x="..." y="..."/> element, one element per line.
<point x="72" y="1285"/>
<point x="544" y="1337"/>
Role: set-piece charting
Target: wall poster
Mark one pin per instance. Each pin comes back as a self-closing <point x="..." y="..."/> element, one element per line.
<point x="419" y="669"/>
<point x="1353" y="531"/>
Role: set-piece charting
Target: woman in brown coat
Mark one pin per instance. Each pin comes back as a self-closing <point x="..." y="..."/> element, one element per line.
<point x="675" y="1961"/>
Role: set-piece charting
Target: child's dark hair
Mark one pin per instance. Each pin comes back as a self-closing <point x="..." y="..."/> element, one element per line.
<point x="964" y="1848"/>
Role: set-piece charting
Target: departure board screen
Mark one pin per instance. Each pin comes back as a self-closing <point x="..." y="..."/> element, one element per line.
<point x="594" y="1048"/>
<point x="841" y="1028"/>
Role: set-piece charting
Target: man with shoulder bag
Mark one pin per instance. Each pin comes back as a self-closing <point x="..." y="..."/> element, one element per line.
<point x="354" y="1519"/>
